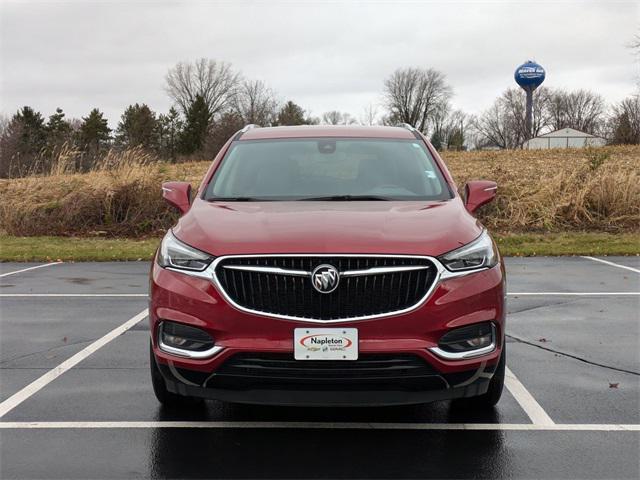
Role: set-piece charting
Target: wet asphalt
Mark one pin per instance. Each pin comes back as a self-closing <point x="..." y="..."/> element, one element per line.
<point x="578" y="357"/>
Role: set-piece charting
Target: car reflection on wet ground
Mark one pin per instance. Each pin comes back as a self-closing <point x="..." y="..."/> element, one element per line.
<point x="76" y="399"/>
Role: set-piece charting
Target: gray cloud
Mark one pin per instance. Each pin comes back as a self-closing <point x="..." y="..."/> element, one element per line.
<point x="323" y="55"/>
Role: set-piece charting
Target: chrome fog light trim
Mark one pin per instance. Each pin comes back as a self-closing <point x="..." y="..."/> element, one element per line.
<point x="463" y="355"/>
<point x="470" y="353"/>
<point x="179" y="352"/>
<point x="179" y="336"/>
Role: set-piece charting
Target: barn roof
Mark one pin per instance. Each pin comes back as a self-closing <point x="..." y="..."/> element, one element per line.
<point x="566" y="132"/>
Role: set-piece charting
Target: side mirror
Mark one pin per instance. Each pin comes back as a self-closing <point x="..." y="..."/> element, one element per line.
<point x="178" y="195"/>
<point x="479" y="193"/>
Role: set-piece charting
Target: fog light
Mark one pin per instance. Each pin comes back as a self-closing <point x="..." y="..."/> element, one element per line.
<point x="479" y="342"/>
<point x="468" y="338"/>
<point x="184" y="337"/>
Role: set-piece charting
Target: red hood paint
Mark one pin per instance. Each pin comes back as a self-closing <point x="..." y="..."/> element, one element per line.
<point x="418" y="228"/>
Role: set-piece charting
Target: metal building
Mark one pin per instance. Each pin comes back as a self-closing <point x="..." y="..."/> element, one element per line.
<point x="564" y="138"/>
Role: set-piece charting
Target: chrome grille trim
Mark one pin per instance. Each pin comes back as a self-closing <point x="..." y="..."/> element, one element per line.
<point x="345" y="273"/>
<point x="381" y="270"/>
<point x="276" y="270"/>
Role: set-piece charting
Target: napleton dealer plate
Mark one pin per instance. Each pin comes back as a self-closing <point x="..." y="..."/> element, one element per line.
<point x="325" y="343"/>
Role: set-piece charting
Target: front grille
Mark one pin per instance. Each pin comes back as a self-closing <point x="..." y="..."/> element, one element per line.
<point x="370" y="371"/>
<point x="358" y="296"/>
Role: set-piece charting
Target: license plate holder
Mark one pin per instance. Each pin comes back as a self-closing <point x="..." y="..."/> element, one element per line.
<point x="325" y="343"/>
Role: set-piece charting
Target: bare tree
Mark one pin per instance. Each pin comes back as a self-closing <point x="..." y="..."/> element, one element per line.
<point x="503" y="125"/>
<point x="4" y="123"/>
<point x="580" y="109"/>
<point x="256" y="103"/>
<point x="413" y="95"/>
<point x="215" y="81"/>
<point x="449" y="128"/>
<point x="514" y="102"/>
<point x="494" y="129"/>
<point x="624" y="124"/>
<point x="635" y="44"/>
<point x="221" y="129"/>
<point x="370" y="115"/>
<point x="335" y="117"/>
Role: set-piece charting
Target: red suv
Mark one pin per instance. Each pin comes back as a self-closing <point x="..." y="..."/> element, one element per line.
<point x="328" y="266"/>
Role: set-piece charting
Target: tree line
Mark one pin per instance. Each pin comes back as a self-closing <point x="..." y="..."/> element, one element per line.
<point x="212" y="101"/>
<point x="422" y="98"/>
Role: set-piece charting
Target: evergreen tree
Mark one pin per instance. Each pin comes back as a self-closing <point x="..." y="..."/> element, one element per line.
<point x="58" y="129"/>
<point x="625" y="121"/>
<point x="291" y="114"/>
<point x="22" y="141"/>
<point x="436" y="140"/>
<point x="94" y="131"/>
<point x="456" y="140"/>
<point x="33" y="134"/>
<point x="138" y="127"/>
<point x="623" y="132"/>
<point x="169" y="129"/>
<point x="196" y="126"/>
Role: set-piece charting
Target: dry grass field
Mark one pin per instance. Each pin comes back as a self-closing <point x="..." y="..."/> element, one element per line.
<point x="581" y="190"/>
<point x="593" y="189"/>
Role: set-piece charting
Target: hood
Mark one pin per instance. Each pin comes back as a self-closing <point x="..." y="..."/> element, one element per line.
<point x="411" y="228"/>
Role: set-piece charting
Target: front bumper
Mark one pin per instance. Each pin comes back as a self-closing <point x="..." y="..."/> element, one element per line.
<point x="455" y="302"/>
<point x="327" y="392"/>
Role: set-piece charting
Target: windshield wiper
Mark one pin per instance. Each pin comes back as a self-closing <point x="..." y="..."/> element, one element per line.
<point x="329" y="198"/>
<point x="235" y="199"/>
<point x="346" y="198"/>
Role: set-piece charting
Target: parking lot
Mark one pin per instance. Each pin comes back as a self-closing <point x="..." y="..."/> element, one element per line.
<point x="76" y="399"/>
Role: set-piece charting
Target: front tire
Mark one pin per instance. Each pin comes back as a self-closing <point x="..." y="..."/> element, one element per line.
<point x="164" y="396"/>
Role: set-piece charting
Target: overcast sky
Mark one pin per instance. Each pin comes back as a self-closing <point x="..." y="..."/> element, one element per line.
<point x="323" y="55"/>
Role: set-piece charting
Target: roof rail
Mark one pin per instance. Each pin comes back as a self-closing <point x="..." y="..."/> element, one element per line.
<point x="411" y="128"/>
<point x="245" y="129"/>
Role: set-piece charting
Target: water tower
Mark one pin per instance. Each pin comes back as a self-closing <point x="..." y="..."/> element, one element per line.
<point x="529" y="76"/>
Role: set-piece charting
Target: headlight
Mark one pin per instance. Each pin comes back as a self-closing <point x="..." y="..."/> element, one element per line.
<point x="481" y="253"/>
<point x="175" y="254"/>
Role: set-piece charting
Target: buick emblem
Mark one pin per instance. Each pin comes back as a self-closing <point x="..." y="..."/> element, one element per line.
<point x="325" y="278"/>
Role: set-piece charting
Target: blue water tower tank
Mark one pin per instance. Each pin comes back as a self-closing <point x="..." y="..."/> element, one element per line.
<point x="529" y="75"/>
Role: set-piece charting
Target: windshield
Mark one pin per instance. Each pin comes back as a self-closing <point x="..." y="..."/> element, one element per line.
<point x="328" y="169"/>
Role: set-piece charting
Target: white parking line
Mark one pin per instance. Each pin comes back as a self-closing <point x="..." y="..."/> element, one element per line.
<point x="116" y="295"/>
<point x="30" y="268"/>
<point x="579" y="294"/>
<point x="606" y="262"/>
<point x="64" y="295"/>
<point x="17" y="398"/>
<point x="596" y="427"/>
<point x="529" y="404"/>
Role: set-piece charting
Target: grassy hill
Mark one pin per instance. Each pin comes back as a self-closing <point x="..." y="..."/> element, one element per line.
<point x="547" y="191"/>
